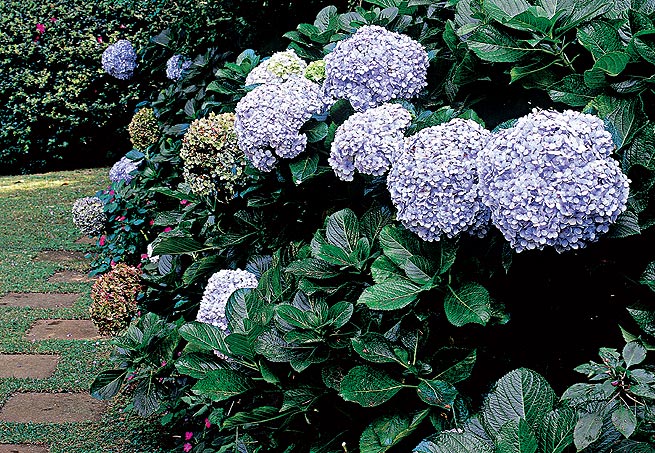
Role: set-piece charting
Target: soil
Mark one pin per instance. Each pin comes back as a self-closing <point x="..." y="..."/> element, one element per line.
<point x="69" y="276"/>
<point x="39" y="300"/>
<point x="85" y="240"/>
<point x="24" y="366"/>
<point x="60" y="256"/>
<point x="6" y="448"/>
<point x="62" y="329"/>
<point x="51" y="408"/>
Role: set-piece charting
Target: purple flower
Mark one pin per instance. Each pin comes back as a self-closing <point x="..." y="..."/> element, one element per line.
<point x="434" y="182"/>
<point x="368" y="141"/>
<point x="374" y="66"/>
<point x="176" y="65"/>
<point x="123" y="170"/>
<point x="219" y="288"/>
<point x="551" y="181"/>
<point x="119" y="60"/>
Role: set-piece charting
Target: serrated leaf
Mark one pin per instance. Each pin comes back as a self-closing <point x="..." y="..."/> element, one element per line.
<point x="304" y="169"/>
<point x="556" y="430"/>
<point x="648" y="277"/>
<point x="521" y="393"/>
<point x="387" y="431"/>
<point x="469" y="304"/>
<point x="398" y="244"/>
<point x="623" y="116"/>
<point x="599" y="38"/>
<point x="236" y="310"/>
<point x="516" y="437"/>
<point x="449" y="442"/>
<point x="107" y="384"/>
<point x="503" y="10"/>
<point x="627" y="224"/>
<point x="205" y="336"/>
<point x="368" y="387"/>
<point x="253" y="417"/>
<point x="342" y="230"/>
<point x="313" y="268"/>
<point x="460" y="370"/>
<point x="177" y="246"/>
<point x="373" y="221"/>
<point x="624" y="420"/>
<point x="293" y="316"/>
<point x="298" y="398"/>
<point x="197" y="366"/>
<point x="392" y="294"/>
<point x="374" y="347"/>
<point x="631" y="446"/>
<point x="633" y="353"/>
<point x="572" y="90"/>
<point x="491" y="44"/>
<point x="437" y="393"/>
<point x="587" y="430"/>
<point x="384" y="269"/>
<point x="147" y="398"/>
<point x="220" y="385"/>
<point x="612" y="63"/>
<point x="317" y="133"/>
<point x="419" y="269"/>
<point x="644" y="43"/>
<point x="339" y="314"/>
<point x="644" y="318"/>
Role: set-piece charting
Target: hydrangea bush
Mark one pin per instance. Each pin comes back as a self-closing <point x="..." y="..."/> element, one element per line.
<point x="123" y="170"/>
<point x="114" y="297"/>
<point x="143" y="129"/>
<point x="380" y="309"/>
<point x="119" y="59"/>
<point x="176" y="65"/>
<point x="89" y="216"/>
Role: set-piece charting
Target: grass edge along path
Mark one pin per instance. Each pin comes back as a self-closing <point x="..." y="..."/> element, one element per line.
<point x="36" y="209"/>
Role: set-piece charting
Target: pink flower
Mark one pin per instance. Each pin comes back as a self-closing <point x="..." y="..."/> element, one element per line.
<point x="144" y="256"/>
<point x="111" y="192"/>
<point x="40" y="28"/>
<point x="188" y="435"/>
<point x="112" y="263"/>
<point x="102" y="240"/>
<point x="130" y="377"/>
<point x="208" y="424"/>
<point x="100" y="39"/>
<point x="167" y="229"/>
<point x="163" y="363"/>
<point x="152" y="222"/>
<point x="184" y="202"/>
<point x="187" y="447"/>
<point x="53" y="19"/>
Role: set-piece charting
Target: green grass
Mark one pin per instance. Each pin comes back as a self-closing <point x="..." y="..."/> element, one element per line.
<point x="37" y="216"/>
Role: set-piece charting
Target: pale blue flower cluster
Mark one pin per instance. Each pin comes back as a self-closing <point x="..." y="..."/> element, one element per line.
<point x="374" y="66"/>
<point x="368" y="141"/>
<point x="551" y="181"/>
<point x="176" y="65"/>
<point x="434" y="183"/>
<point x="123" y="170"/>
<point x="119" y="60"/>
<point x="219" y="288"/>
<point x="269" y="118"/>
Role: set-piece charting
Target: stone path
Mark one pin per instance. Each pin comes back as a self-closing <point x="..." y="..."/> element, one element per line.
<point x="25" y="407"/>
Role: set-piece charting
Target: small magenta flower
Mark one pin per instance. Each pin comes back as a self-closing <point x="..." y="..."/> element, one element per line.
<point x="184" y="202"/>
<point x="187" y="447"/>
<point x="152" y="222"/>
<point x="208" y="424"/>
<point x="163" y="363"/>
<point x="144" y="256"/>
<point x="188" y="435"/>
<point x="53" y="19"/>
<point x="40" y="28"/>
<point x="99" y="38"/>
<point x="102" y="240"/>
<point x="112" y="263"/>
<point x="167" y="229"/>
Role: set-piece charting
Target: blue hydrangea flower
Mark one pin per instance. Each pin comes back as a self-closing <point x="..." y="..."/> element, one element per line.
<point x="551" y="181"/>
<point x="269" y="118"/>
<point x="374" y="66"/>
<point x="219" y="288"/>
<point x="434" y="182"/>
<point x="176" y="65"/>
<point x="368" y="141"/>
<point x="123" y="169"/>
<point x="119" y="60"/>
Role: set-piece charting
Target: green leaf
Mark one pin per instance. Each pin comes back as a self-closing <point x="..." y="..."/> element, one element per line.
<point x="220" y="385"/>
<point x="623" y="116"/>
<point x="530" y="20"/>
<point x="197" y="365"/>
<point x="627" y="224"/>
<point x="516" y="437"/>
<point x="299" y="398"/>
<point x="503" y="10"/>
<point x="644" y="43"/>
<point x="374" y="347"/>
<point x="587" y="430"/>
<point x="451" y="442"/>
<point x="398" y="244"/>
<point x="571" y="90"/>
<point x="642" y="150"/>
<point x="313" y="268"/>
<point x="384" y="269"/>
<point x="419" y="269"/>
<point x="304" y="169"/>
<point x="107" y="384"/>
<point x="147" y="398"/>
<point x="612" y="63"/>
<point x="327" y="18"/>
<point x="293" y="316"/>
<point x="470" y="304"/>
<point x="342" y="230"/>
<point x="624" y="420"/>
<point x="460" y="370"/>
<point x="339" y="314"/>
<point x="253" y="417"/>
<point x="317" y="133"/>
<point x="644" y="318"/>
<point x="177" y="246"/>
<point x="391" y="294"/>
<point x="373" y="221"/>
<point x="633" y="353"/>
<point x="631" y="446"/>
<point x="387" y="431"/>
<point x="648" y="277"/>
<point x="599" y="38"/>
<point x="368" y="387"/>
<point x="490" y="44"/>
<point x="556" y="430"/>
<point x="236" y="310"/>
<point x="205" y="336"/>
<point x="437" y="393"/>
<point x="521" y="393"/>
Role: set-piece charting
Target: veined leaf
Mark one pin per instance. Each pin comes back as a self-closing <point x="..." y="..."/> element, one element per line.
<point x="644" y="318"/>
<point x="450" y="442"/>
<point x="491" y="44"/>
<point x="219" y="385"/>
<point x="612" y="63"/>
<point x="197" y="366"/>
<point x="387" y="431"/>
<point x="391" y="294"/>
<point x="373" y="221"/>
<point x="633" y="353"/>
<point x="368" y="387"/>
<point x="304" y="169"/>
<point x="256" y="416"/>
<point x="205" y="336"/>
<point x="599" y="38"/>
<point x="587" y="430"/>
<point x="342" y="230"/>
<point x="516" y="437"/>
<point x="374" y="347"/>
<point x="503" y="10"/>
<point x="648" y="277"/>
<point x="384" y="269"/>
<point x="107" y="384"/>
<point x="624" y="420"/>
<point x="469" y="304"/>
<point x="644" y="43"/>
<point x="313" y="268"/>
<point x="437" y="393"/>
<point x="556" y="431"/>
<point x="572" y="90"/>
<point x="460" y="370"/>
<point x="177" y="246"/>
<point x="398" y="244"/>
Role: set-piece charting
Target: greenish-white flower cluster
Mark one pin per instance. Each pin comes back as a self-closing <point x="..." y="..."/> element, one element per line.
<point x="144" y="129"/>
<point x="89" y="215"/>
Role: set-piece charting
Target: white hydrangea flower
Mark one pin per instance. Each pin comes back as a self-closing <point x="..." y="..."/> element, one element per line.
<point x="277" y="69"/>
<point x="219" y="288"/>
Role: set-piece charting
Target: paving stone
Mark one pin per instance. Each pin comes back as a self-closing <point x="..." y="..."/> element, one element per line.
<point x="39" y="300"/>
<point x="62" y="329"/>
<point x="69" y="276"/>
<point x="86" y="240"/>
<point x="60" y="256"/>
<point x="7" y="448"/>
<point x="34" y="366"/>
<point x="51" y="408"/>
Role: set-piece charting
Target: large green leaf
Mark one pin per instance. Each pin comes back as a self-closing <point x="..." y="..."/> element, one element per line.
<point x="255" y="416"/>
<point x="642" y="150"/>
<point x="374" y="347"/>
<point x="437" y="393"/>
<point x="368" y="387"/>
<point x="387" y="431"/>
<point x="599" y="38"/>
<point x="556" y="431"/>
<point x="391" y="294"/>
<point x="503" y="10"/>
<point x="521" y="393"/>
<point x="398" y="244"/>
<point x="177" y="246"/>
<point x="572" y="90"/>
<point x="198" y="365"/>
<point x="219" y="385"/>
<point x="587" y="430"/>
<point x="491" y="44"/>
<point x="451" y="442"/>
<point x="373" y="221"/>
<point x="644" y="318"/>
<point x="648" y="277"/>
<point x="633" y="353"/>
<point x="469" y="304"/>
<point x="623" y="116"/>
<point x="458" y="371"/>
<point x="384" y="269"/>
<point x="205" y="336"/>
<point x="342" y="230"/>
<point x="304" y="169"/>
<point x="644" y="43"/>
<point x="147" y="398"/>
<point x="107" y="384"/>
<point x="624" y="420"/>
<point x="516" y="437"/>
